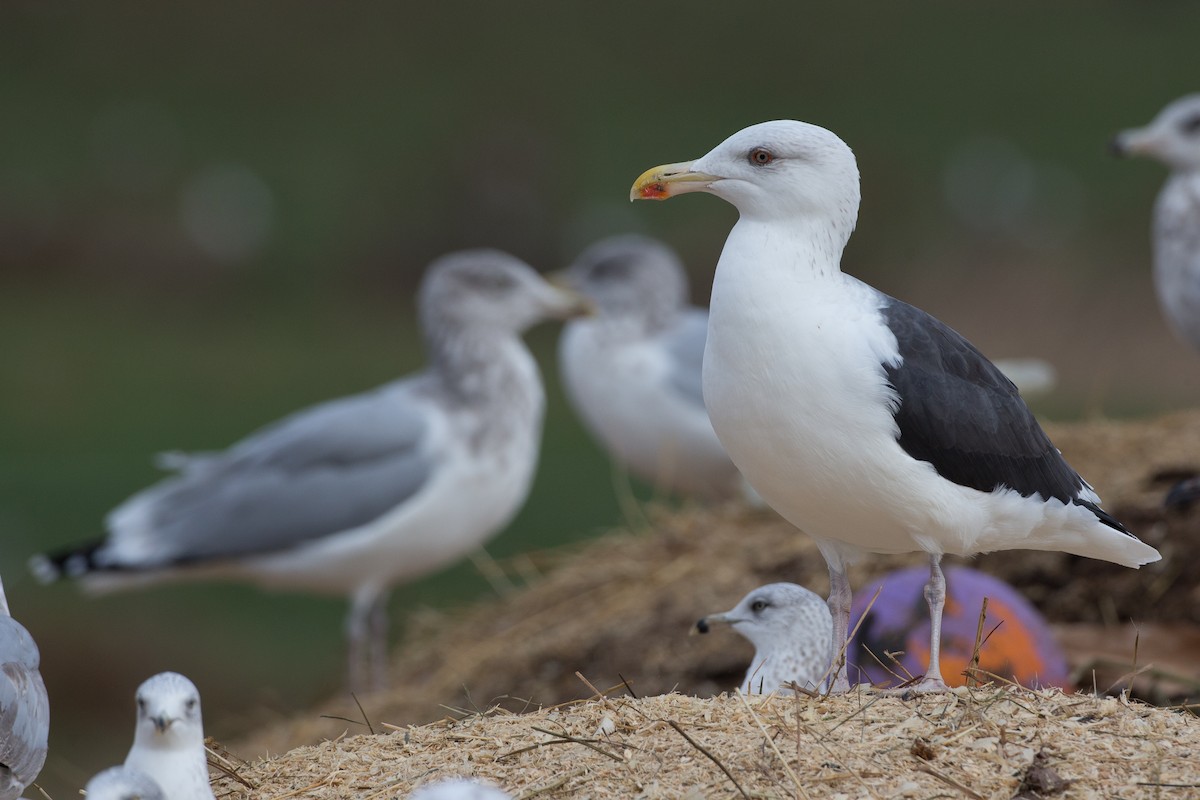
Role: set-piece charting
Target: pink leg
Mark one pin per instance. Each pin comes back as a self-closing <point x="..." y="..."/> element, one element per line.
<point x="935" y="595"/>
<point x="839" y="608"/>
<point x="366" y="635"/>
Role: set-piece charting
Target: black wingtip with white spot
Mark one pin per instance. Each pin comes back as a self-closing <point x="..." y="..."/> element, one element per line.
<point x="72" y="563"/>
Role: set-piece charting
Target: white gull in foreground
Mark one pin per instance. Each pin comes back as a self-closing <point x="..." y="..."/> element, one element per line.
<point x="792" y="634"/>
<point x="632" y="370"/>
<point x="168" y="742"/>
<point x="459" y="789"/>
<point x="1174" y="139"/>
<point x="864" y="421"/>
<point x="357" y="494"/>
<point x="123" y="783"/>
<point x="24" y="707"/>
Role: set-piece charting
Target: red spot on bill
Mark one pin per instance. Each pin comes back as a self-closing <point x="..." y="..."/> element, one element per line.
<point x="654" y="191"/>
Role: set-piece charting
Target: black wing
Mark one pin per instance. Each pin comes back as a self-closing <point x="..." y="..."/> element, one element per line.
<point x="961" y="414"/>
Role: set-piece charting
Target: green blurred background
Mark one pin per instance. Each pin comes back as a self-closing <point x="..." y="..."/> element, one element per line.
<point x="212" y="214"/>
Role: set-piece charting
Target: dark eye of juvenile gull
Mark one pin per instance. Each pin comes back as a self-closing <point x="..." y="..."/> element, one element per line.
<point x="761" y="156"/>
<point x="1191" y="125"/>
<point x="612" y="269"/>
<point x="488" y="281"/>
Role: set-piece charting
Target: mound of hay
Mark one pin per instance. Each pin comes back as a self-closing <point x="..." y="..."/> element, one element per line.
<point x="620" y="607"/>
<point x="976" y="743"/>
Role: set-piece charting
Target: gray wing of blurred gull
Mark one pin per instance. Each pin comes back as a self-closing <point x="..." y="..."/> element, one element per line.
<point x="331" y="468"/>
<point x="354" y="495"/>
<point x="24" y="707"/>
<point x="684" y="342"/>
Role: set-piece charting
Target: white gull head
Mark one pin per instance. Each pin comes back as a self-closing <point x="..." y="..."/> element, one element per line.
<point x="792" y="633"/>
<point x="632" y="278"/>
<point x="772" y="171"/>
<point x="489" y="290"/>
<point x="168" y="743"/>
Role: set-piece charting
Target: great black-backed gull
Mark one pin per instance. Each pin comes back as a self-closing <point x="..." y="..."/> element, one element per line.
<point x="864" y="421"/>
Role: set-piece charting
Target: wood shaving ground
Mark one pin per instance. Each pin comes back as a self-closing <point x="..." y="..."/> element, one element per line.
<point x="860" y="745"/>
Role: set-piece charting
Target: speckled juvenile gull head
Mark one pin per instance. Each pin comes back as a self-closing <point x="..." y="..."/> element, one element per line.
<point x="792" y="633"/>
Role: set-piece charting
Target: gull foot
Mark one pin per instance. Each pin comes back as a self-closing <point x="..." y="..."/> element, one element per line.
<point x="926" y="686"/>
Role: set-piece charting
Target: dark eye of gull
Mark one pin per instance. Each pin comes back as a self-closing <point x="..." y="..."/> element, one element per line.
<point x="489" y="281"/>
<point x="612" y="269"/>
<point x="761" y="156"/>
<point x="1191" y="125"/>
<point x="758" y="605"/>
<point x="191" y="704"/>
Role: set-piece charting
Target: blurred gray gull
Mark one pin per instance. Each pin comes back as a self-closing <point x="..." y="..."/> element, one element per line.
<point x="459" y="789"/>
<point x="864" y="421"/>
<point x="1031" y="376"/>
<point x="24" y="707"/>
<point x="356" y="494"/>
<point x="1173" y="137"/>
<point x="792" y="633"/>
<point x="123" y="783"/>
<point x="168" y="742"/>
<point x="632" y="370"/>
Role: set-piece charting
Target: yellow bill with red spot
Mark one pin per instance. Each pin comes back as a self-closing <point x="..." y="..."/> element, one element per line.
<point x="659" y="183"/>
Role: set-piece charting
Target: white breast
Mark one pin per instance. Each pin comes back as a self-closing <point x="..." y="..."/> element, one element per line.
<point x="795" y="388"/>
<point x="181" y="773"/>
